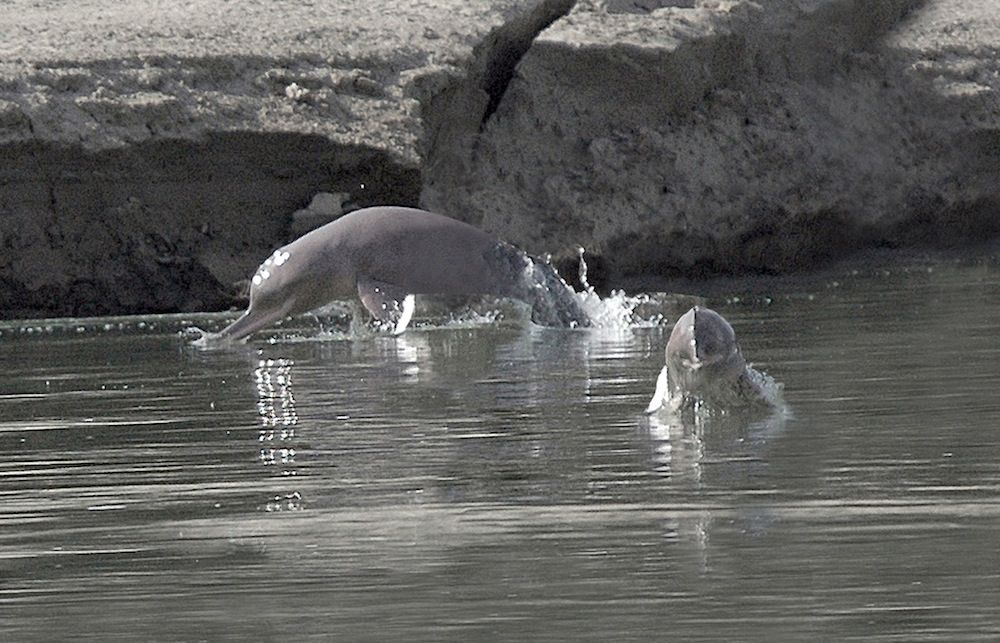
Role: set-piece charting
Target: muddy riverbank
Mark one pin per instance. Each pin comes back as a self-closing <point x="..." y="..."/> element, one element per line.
<point x="150" y="157"/>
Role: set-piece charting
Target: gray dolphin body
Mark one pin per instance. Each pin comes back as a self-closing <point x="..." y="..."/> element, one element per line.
<point x="385" y="255"/>
<point x="704" y="362"/>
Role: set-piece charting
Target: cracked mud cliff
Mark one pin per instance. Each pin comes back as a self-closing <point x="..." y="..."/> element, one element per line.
<point x="151" y="156"/>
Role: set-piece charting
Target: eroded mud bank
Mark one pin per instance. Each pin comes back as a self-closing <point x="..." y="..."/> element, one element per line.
<point x="150" y="171"/>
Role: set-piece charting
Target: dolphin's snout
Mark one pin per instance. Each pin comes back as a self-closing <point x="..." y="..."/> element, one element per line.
<point x="248" y="323"/>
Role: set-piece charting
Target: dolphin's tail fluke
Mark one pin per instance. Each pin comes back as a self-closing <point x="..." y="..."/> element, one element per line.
<point x="553" y="301"/>
<point x="536" y="282"/>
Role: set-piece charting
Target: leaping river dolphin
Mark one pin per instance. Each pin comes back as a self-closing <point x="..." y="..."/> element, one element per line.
<point x="386" y="255"/>
<point x="704" y="362"/>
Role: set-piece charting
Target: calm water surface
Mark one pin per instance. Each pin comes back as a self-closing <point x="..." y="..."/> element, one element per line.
<point x="499" y="482"/>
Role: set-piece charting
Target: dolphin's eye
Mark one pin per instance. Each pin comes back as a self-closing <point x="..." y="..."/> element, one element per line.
<point x="708" y="346"/>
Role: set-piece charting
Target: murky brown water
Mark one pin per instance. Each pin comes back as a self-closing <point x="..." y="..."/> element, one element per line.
<point x="497" y="482"/>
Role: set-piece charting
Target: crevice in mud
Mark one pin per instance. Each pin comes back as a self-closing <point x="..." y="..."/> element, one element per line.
<point x="456" y="110"/>
<point x="166" y="225"/>
<point x="504" y="47"/>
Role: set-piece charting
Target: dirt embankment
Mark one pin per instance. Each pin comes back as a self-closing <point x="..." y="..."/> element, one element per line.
<point x="693" y="138"/>
<point x="151" y="156"/>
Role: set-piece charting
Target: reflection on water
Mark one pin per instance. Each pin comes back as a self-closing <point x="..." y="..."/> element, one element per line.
<point x="276" y="407"/>
<point x="680" y="442"/>
<point x="493" y="480"/>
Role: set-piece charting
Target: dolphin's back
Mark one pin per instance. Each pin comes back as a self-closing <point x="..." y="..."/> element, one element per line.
<point x="422" y="252"/>
<point x="425" y="253"/>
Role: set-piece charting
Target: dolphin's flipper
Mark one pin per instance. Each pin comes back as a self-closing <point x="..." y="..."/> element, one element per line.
<point x="409" y="303"/>
<point x="661" y="392"/>
<point x="386" y="302"/>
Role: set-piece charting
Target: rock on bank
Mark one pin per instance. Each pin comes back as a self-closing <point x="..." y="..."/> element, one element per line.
<point x="151" y="156"/>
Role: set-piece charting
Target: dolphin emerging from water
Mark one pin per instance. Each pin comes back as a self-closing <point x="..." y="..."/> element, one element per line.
<point x="385" y="256"/>
<point x="704" y="362"/>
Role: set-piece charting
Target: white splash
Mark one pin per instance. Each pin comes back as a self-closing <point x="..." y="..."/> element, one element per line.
<point x="616" y="311"/>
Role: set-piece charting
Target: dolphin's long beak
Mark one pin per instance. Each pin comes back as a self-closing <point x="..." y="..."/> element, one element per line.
<point x="246" y="325"/>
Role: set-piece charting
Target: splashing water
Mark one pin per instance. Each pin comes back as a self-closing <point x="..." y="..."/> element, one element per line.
<point x="752" y="393"/>
<point x="554" y="303"/>
<point x="616" y="311"/>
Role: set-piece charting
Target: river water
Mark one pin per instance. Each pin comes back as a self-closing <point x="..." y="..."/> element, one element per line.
<point x="489" y="480"/>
